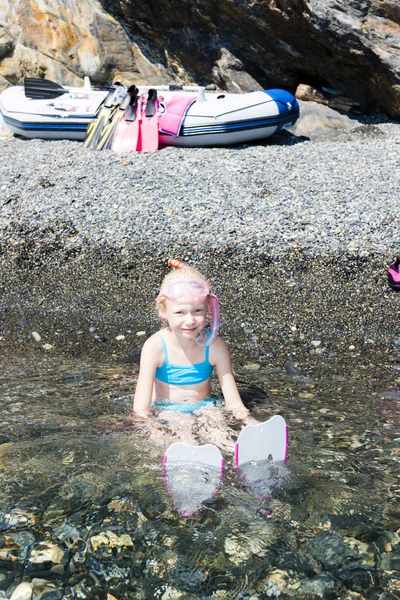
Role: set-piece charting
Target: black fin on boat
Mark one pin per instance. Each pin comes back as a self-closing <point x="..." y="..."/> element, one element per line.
<point x="151" y="106"/>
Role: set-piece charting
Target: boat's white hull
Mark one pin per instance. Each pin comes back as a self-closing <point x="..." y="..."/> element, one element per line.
<point x="216" y="119"/>
<point x="225" y="119"/>
<point x="217" y="139"/>
<point x="65" y="117"/>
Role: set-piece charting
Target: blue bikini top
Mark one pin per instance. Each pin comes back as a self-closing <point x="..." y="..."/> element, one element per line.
<point x="183" y="374"/>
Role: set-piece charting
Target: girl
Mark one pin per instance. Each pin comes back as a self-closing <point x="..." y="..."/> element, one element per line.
<point x="177" y="362"/>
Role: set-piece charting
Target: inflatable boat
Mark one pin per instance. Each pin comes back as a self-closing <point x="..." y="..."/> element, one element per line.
<point x="187" y="116"/>
<point x="223" y="119"/>
<point x="49" y="111"/>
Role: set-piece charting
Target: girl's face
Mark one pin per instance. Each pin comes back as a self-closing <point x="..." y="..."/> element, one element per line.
<point x="185" y="320"/>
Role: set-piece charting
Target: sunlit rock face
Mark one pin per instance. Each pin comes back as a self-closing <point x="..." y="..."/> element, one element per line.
<point x="65" y="40"/>
<point x="349" y="45"/>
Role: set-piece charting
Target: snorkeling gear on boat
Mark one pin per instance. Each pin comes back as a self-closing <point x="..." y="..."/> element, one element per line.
<point x="104" y="113"/>
<point x="193" y="290"/>
<point x="106" y="140"/>
<point x="394" y="274"/>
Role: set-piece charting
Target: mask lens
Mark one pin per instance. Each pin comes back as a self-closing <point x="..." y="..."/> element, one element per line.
<point x="186" y="290"/>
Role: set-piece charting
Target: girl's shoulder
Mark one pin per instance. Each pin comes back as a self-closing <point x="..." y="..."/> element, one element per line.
<point x="154" y="343"/>
<point x="218" y="350"/>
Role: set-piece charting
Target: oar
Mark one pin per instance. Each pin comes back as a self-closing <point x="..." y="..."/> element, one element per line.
<point x="43" y="89"/>
<point x="172" y="87"/>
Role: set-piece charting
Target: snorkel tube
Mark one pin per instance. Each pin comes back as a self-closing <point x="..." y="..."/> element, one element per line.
<point x="205" y="338"/>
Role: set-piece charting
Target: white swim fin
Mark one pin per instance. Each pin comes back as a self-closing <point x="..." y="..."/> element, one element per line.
<point x="192" y="474"/>
<point x="262" y="441"/>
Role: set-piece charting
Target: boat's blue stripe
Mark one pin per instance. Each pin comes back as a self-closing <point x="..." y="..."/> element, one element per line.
<point x="45" y="126"/>
<point x="241" y="125"/>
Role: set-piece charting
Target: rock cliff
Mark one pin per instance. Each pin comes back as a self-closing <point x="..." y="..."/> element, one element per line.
<point x="350" y="45"/>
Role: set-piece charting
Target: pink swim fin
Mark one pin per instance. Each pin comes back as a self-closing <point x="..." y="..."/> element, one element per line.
<point x="127" y="134"/>
<point x="149" y="125"/>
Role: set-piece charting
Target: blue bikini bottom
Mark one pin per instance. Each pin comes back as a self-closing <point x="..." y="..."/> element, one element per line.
<point x="189" y="408"/>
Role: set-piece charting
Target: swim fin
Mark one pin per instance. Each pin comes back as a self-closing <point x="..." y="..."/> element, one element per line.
<point x="127" y="133"/>
<point x="102" y="116"/>
<point x="260" y="442"/>
<point x="149" y="128"/>
<point x="191" y="475"/>
<point x="107" y="136"/>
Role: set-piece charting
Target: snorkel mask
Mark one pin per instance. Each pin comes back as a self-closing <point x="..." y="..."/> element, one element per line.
<point x="193" y="291"/>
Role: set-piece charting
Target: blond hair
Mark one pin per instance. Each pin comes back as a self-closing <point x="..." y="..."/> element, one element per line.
<point x="184" y="273"/>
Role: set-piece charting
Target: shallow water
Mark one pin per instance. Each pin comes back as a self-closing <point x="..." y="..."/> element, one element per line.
<point x="84" y="504"/>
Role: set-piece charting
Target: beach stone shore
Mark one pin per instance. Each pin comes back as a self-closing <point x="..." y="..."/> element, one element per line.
<point x="295" y="235"/>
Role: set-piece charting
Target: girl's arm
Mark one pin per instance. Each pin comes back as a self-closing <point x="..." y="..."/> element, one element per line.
<point x="144" y="388"/>
<point x="219" y="355"/>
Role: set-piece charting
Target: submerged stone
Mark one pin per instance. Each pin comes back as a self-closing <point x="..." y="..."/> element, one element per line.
<point x="22" y="592"/>
<point x="44" y="556"/>
<point x="330" y="550"/>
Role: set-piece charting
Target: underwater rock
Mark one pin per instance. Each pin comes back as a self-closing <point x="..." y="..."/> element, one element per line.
<point x="17" y="518"/>
<point x="14" y="547"/>
<point x="275" y="584"/>
<point x="45" y="590"/>
<point x="67" y="534"/>
<point x="44" y="556"/>
<point x="171" y="594"/>
<point x="240" y="548"/>
<point x="321" y="586"/>
<point x="356" y="577"/>
<point x="330" y="550"/>
<point x="22" y="592"/>
<point x="391" y="561"/>
<point x="111" y="540"/>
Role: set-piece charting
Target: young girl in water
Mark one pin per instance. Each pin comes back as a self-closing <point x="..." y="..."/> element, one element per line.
<point x="177" y="362"/>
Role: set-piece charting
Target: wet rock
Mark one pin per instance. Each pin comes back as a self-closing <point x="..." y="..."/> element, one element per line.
<point x="17" y="518"/>
<point x="46" y="555"/>
<point x="330" y="550"/>
<point x="357" y="577"/>
<point x="67" y="534"/>
<point x="45" y="590"/>
<point x="22" y="592"/>
<point x="110" y="540"/>
<point x="14" y="547"/>
<point x="321" y="586"/>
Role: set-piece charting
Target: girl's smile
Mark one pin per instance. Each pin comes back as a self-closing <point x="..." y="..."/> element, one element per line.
<point x="186" y="319"/>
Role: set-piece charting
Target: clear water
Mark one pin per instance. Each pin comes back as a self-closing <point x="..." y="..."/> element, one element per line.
<point x="78" y="473"/>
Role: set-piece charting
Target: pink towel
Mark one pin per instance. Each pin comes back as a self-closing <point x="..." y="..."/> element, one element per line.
<point x="176" y="108"/>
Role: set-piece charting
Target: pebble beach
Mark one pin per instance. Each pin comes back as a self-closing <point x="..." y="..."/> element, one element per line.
<point x="321" y="197"/>
<point x="87" y="233"/>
